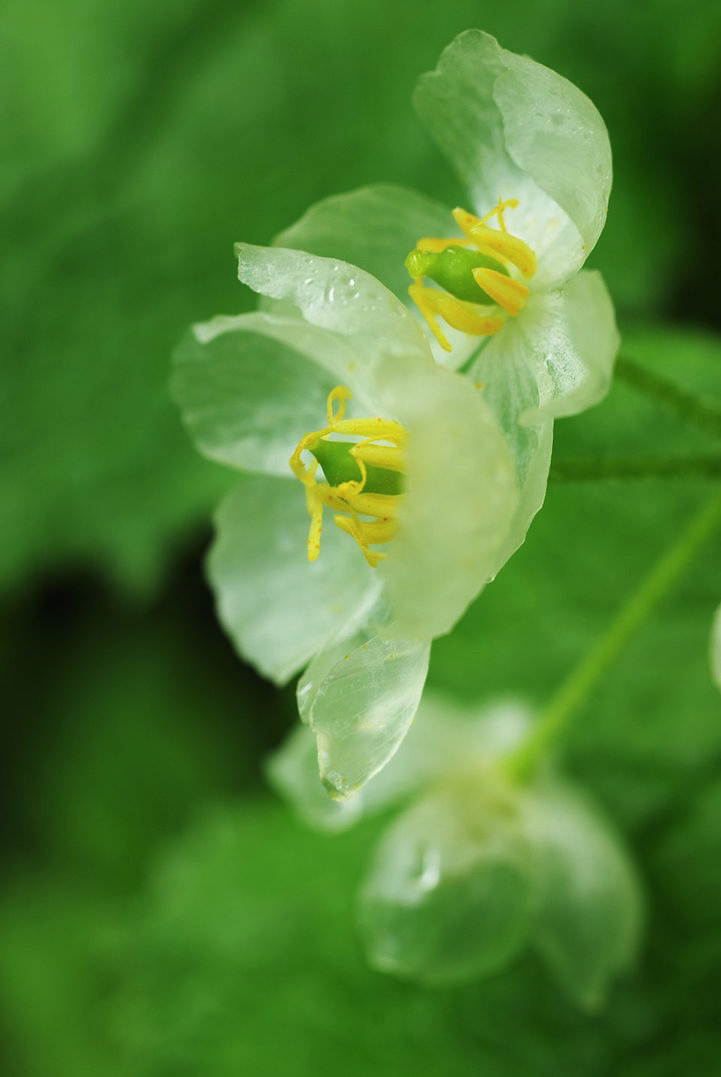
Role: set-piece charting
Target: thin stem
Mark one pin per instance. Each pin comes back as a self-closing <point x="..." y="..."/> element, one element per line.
<point x="574" y="692"/>
<point x="636" y="467"/>
<point x="468" y="363"/>
<point x="695" y="409"/>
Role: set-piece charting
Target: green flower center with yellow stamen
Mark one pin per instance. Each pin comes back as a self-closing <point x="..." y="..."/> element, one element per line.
<point x="452" y="269"/>
<point x="364" y="478"/>
<point x="480" y="288"/>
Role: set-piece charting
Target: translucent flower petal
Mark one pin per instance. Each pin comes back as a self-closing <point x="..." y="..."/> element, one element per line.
<point x="515" y="129"/>
<point x="443" y="739"/>
<point x="510" y="389"/>
<point x="340" y="297"/>
<point x="460" y="499"/>
<point x="569" y="341"/>
<point x="250" y="387"/>
<point x="449" y="894"/>
<point x="293" y="771"/>
<point x="373" y="227"/>
<point x="278" y="609"/>
<point x="359" y="700"/>
<point x="588" y="921"/>
<point x="716" y="648"/>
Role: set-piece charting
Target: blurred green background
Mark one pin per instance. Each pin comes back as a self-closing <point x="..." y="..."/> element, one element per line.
<point x="160" y="914"/>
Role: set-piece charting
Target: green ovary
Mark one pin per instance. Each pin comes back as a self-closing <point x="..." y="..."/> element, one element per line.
<point x="452" y="269"/>
<point x="339" y="466"/>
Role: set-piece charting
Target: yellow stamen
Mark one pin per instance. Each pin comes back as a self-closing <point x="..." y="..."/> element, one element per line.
<point x="508" y="293"/>
<point x="366" y="534"/>
<point x="458" y="313"/>
<point x="349" y="498"/>
<point x="490" y="236"/>
<point x="437" y="246"/>
<point x="370" y="429"/>
<point x="497" y="242"/>
<point x="386" y="456"/>
<point x="340" y="394"/>
<point x="382" y="506"/>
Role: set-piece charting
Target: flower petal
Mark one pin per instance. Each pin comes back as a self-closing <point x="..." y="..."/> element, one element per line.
<point x="449" y="894"/>
<point x="515" y="129"/>
<point x="278" y="609"/>
<point x="337" y="296"/>
<point x="589" y="915"/>
<point x="460" y="499"/>
<point x="293" y="771"/>
<point x="444" y="738"/>
<point x="250" y="387"/>
<point x="359" y="700"/>
<point x="374" y="228"/>
<point x="510" y="390"/>
<point x="569" y="341"/>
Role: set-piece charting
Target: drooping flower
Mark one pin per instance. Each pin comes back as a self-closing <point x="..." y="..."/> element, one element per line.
<point x="479" y="866"/>
<point x="499" y="282"/>
<point x="378" y="502"/>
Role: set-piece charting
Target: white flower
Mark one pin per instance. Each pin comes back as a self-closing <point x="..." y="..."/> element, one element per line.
<point x="478" y="866"/>
<point x="536" y="330"/>
<point x="461" y="460"/>
<point x="263" y="392"/>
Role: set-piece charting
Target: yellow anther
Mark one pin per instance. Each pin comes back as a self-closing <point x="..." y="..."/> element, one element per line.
<point x="370" y="429"/>
<point x="382" y="506"/>
<point x="510" y="248"/>
<point x="508" y="293"/>
<point x="350" y="499"/>
<point x="458" y="313"/>
<point x="389" y="457"/>
<point x="497" y="242"/>
<point x="439" y="245"/>
<point x="339" y="394"/>
<point x="366" y="534"/>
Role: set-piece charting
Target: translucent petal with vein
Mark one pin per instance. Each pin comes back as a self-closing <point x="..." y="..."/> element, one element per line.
<point x="450" y="891"/>
<point x="278" y="609"/>
<point x="513" y="128"/>
<point x="589" y="915"/>
<point x="359" y="701"/>
<point x="569" y="340"/>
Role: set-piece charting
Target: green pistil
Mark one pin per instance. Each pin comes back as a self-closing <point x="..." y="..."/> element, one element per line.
<point x="452" y="269"/>
<point x="339" y="466"/>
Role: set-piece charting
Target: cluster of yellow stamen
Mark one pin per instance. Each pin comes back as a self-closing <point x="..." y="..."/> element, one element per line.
<point x="508" y="294"/>
<point x="361" y="507"/>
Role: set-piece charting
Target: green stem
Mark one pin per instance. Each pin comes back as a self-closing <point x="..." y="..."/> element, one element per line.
<point x="636" y="467"/>
<point x="574" y="692"/>
<point x="693" y="408"/>
<point x="466" y="366"/>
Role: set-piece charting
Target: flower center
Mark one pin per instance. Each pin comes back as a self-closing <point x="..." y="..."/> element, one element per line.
<point x="364" y="478"/>
<point x="480" y="287"/>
